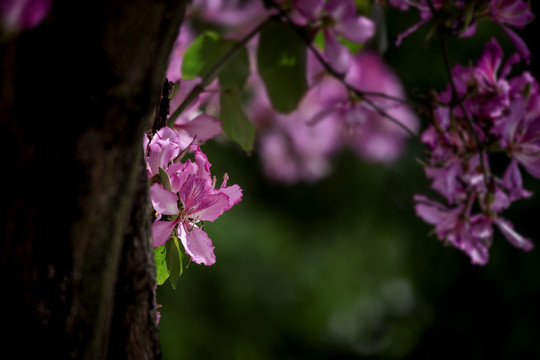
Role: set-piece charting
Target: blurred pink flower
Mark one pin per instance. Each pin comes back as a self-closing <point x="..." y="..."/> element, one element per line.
<point x="340" y="19"/>
<point x="18" y="15"/>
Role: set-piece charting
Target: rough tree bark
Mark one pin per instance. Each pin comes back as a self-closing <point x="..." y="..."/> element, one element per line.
<point x="76" y="263"/>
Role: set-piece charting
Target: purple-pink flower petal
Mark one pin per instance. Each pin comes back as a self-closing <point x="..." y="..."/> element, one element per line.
<point x="337" y="54"/>
<point x="161" y="231"/>
<point x="201" y="202"/>
<point x="512" y="236"/>
<point x="164" y="201"/>
<point x="359" y="29"/>
<point x="203" y="127"/>
<point x="197" y="244"/>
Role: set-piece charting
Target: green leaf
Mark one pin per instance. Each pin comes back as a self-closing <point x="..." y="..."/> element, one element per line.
<point x="162" y="273"/>
<point x="234" y="120"/>
<point x="210" y="55"/>
<point x="318" y="40"/>
<point x="236" y="71"/>
<point x="281" y="61"/>
<point x="173" y="259"/>
<point x="204" y="53"/>
<point x="164" y="179"/>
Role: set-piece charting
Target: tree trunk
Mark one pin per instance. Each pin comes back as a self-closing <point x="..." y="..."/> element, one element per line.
<point x="76" y="260"/>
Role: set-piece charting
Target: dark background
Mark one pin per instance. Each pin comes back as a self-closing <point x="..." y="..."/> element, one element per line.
<point x="343" y="269"/>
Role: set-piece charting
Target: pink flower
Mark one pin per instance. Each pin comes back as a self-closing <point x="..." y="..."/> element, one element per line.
<point x="341" y="19"/>
<point x="378" y="138"/>
<point x="165" y="146"/>
<point x="191" y="200"/>
<point x="363" y="128"/>
<point x="17" y="15"/>
<point x="291" y="148"/>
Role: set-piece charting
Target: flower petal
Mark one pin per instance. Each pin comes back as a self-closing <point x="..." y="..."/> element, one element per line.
<point x="520" y="45"/>
<point x="358" y="29"/>
<point x="512" y="236"/>
<point x="161" y="231"/>
<point x="233" y="192"/>
<point x="310" y="9"/>
<point x="338" y="55"/>
<point x="197" y="245"/>
<point x="203" y="127"/>
<point x="164" y="201"/>
<point x="200" y="201"/>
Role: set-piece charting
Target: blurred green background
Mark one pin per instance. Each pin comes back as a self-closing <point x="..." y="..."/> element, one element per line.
<point x="343" y="269"/>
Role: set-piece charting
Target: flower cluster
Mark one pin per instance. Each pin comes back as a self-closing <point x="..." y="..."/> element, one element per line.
<point x="184" y="194"/>
<point x="496" y="113"/>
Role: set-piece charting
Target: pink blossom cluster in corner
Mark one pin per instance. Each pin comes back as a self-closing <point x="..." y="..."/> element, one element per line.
<point x="187" y="197"/>
<point x="504" y="113"/>
<point x="20" y="15"/>
<point x="509" y="14"/>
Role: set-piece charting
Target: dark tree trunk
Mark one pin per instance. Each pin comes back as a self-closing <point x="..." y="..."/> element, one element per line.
<point x="76" y="261"/>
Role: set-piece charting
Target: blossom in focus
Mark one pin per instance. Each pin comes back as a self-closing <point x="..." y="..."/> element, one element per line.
<point x="164" y="147"/>
<point x="188" y="197"/>
<point x="191" y="199"/>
